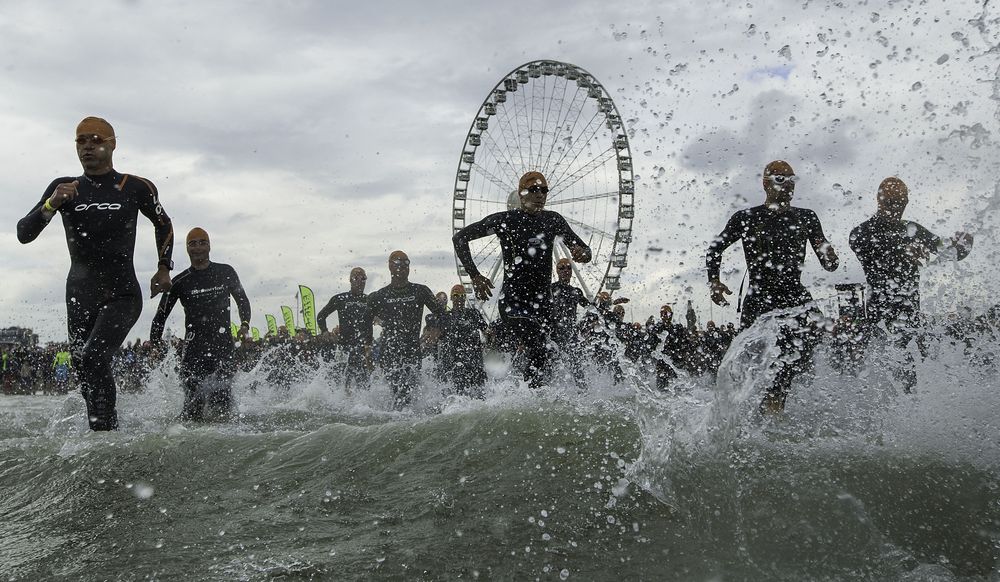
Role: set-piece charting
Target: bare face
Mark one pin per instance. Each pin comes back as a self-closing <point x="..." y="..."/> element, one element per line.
<point x="564" y="269"/>
<point x="534" y="194"/>
<point x="95" y="152"/>
<point x="779" y="182"/>
<point x="358" y="278"/>
<point x="666" y="314"/>
<point x="399" y="265"/>
<point x="198" y="248"/>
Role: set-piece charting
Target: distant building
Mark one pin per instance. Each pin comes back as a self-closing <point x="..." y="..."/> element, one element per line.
<point x="12" y="337"/>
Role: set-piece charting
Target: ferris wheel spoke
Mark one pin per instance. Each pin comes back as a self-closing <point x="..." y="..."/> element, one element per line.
<point x="579" y="145"/>
<point x="560" y="123"/>
<point x="490" y="176"/>
<point x="589" y="228"/>
<point x="509" y="130"/>
<point x="483" y="252"/>
<point x="586" y="169"/>
<point x="576" y="121"/>
<point x="495" y="269"/>
<point x="485" y="201"/>
<point x="551" y="100"/>
<point x="500" y="154"/>
<point x="612" y="194"/>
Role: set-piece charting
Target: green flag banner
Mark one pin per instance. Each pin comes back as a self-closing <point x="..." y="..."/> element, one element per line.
<point x="289" y="316"/>
<point x="309" y="309"/>
<point x="234" y="329"/>
<point x="272" y="325"/>
<point x="255" y="333"/>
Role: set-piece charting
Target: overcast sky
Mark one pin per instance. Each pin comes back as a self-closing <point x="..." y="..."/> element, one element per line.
<point x="311" y="137"/>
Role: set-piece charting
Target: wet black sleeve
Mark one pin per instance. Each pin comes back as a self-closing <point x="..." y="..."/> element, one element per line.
<point x="581" y="299"/>
<point x="331" y="306"/>
<point x="925" y="238"/>
<point x="817" y="239"/>
<point x="729" y="235"/>
<point x="376" y="303"/>
<point x="149" y="205"/>
<point x="242" y="301"/>
<point x="476" y="230"/>
<point x="430" y="302"/>
<point x="570" y="238"/>
<point x="481" y="322"/>
<point x="167" y="301"/>
<point x="29" y="227"/>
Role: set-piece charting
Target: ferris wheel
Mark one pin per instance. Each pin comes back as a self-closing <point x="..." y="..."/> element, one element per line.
<point x="555" y="118"/>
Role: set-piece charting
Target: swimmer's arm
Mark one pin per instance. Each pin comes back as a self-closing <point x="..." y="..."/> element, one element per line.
<point x="430" y="302"/>
<point x="821" y="246"/>
<point x="33" y="223"/>
<point x="578" y="249"/>
<point x="476" y="230"/>
<point x="167" y="301"/>
<point x="729" y="235"/>
<point x="326" y="312"/>
<point x="242" y="301"/>
<point x="149" y="205"/>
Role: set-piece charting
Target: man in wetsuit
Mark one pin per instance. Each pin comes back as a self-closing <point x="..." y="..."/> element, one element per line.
<point x="891" y="250"/>
<point x="527" y="237"/>
<point x="400" y="307"/>
<point x="355" y="328"/>
<point x="462" y="345"/>
<point x="563" y="326"/>
<point x="208" y="364"/>
<point x="675" y="350"/>
<point x="774" y="237"/>
<point x="103" y="299"/>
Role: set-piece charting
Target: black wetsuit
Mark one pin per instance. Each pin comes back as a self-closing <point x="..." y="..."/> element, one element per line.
<point x="207" y="366"/>
<point x="565" y="301"/>
<point x="462" y="348"/>
<point x="527" y="241"/>
<point x="355" y="333"/>
<point x="564" y="328"/>
<point x="400" y="310"/>
<point x="889" y="251"/>
<point x="103" y="297"/>
<point x="774" y="246"/>
<point x="674" y="353"/>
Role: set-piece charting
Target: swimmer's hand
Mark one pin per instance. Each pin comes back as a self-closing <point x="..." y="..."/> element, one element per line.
<point x="580" y="254"/>
<point x="160" y="283"/>
<point x="719" y="290"/>
<point x="483" y="287"/>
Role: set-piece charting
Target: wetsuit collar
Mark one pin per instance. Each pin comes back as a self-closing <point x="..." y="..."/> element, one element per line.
<point x="99" y="180"/>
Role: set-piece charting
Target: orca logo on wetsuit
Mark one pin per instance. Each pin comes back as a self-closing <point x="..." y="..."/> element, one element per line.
<point x="98" y="206"/>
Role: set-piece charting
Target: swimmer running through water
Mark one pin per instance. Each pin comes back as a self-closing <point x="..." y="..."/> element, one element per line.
<point x="774" y="237"/>
<point x="528" y="236"/>
<point x="207" y="366"/>
<point x="99" y="213"/>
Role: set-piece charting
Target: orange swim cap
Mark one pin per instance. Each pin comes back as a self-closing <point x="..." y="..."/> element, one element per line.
<point x="95" y="126"/>
<point x="530" y="179"/>
<point x="197" y="232"/>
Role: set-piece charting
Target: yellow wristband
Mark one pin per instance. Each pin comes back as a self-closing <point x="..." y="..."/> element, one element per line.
<point x="48" y="206"/>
